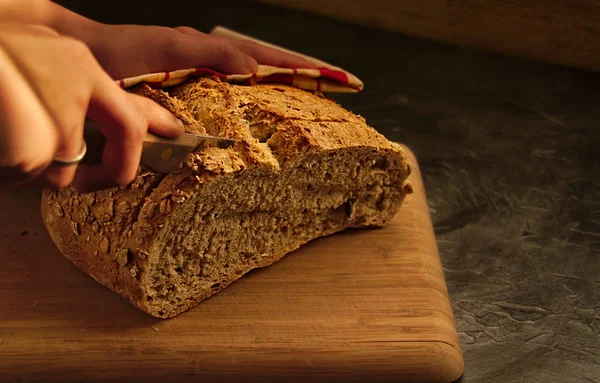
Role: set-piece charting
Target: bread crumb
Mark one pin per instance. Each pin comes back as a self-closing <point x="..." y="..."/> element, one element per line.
<point x="154" y="328"/>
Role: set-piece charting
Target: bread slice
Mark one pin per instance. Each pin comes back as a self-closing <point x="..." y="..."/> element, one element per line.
<point x="303" y="168"/>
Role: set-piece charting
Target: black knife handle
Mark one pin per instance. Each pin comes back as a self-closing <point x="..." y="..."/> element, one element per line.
<point x="95" y="141"/>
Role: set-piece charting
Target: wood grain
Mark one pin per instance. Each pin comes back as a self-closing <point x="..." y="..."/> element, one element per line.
<point x="565" y="32"/>
<point x="368" y="305"/>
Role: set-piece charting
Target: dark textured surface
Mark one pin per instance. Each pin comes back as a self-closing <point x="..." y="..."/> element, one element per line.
<point x="509" y="151"/>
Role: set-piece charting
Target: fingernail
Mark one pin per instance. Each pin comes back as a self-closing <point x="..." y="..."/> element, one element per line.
<point x="177" y="122"/>
<point x="308" y="64"/>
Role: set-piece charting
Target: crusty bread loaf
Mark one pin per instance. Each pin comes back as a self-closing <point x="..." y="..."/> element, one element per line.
<point x="303" y="168"/>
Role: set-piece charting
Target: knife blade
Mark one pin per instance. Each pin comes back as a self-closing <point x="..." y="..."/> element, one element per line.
<point x="159" y="154"/>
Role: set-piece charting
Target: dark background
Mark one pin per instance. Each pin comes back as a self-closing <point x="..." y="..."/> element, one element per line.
<point x="509" y="151"/>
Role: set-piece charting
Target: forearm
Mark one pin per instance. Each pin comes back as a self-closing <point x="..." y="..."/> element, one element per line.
<point x="49" y="14"/>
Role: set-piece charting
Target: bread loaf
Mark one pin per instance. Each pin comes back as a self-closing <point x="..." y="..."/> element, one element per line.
<point x="303" y="167"/>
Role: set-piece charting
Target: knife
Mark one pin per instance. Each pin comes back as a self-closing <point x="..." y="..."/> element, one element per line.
<point x="159" y="154"/>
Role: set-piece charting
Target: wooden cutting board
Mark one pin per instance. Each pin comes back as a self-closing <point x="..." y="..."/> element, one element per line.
<point x="364" y="305"/>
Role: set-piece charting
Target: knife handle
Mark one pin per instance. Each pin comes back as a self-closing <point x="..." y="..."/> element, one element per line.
<point x="95" y="142"/>
<point x="163" y="155"/>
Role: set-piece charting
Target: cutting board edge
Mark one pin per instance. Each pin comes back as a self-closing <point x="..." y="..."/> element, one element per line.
<point x="449" y="316"/>
<point x="442" y="363"/>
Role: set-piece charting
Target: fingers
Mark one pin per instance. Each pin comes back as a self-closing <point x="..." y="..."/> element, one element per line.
<point x="190" y="31"/>
<point x="271" y="56"/>
<point x="26" y="150"/>
<point x="124" y="119"/>
<point x="160" y="120"/>
<point x="64" y="107"/>
<point x="53" y="82"/>
<point x="33" y="29"/>
<point x="124" y="127"/>
<point x="43" y="119"/>
<point x="61" y="176"/>
<point x="199" y="50"/>
<point x="130" y="54"/>
<point x="44" y="30"/>
<point x="257" y="53"/>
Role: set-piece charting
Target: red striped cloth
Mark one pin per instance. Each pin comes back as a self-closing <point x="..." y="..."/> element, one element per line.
<point x="322" y="79"/>
<point x="326" y="78"/>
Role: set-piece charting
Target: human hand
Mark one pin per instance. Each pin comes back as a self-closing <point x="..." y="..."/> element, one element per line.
<point x="50" y="84"/>
<point x="129" y="50"/>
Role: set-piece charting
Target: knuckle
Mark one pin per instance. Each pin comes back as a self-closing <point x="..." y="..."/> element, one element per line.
<point x="185" y="29"/>
<point x="31" y="166"/>
<point x="226" y="49"/>
<point x="178" y="39"/>
<point x="79" y="49"/>
<point x="175" y="43"/>
<point x="137" y="131"/>
<point x="29" y="157"/>
<point x="246" y="44"/>
<point x="45" y="29"/>
<point x="249" y="47"/>
<point x="69" y="121"/>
